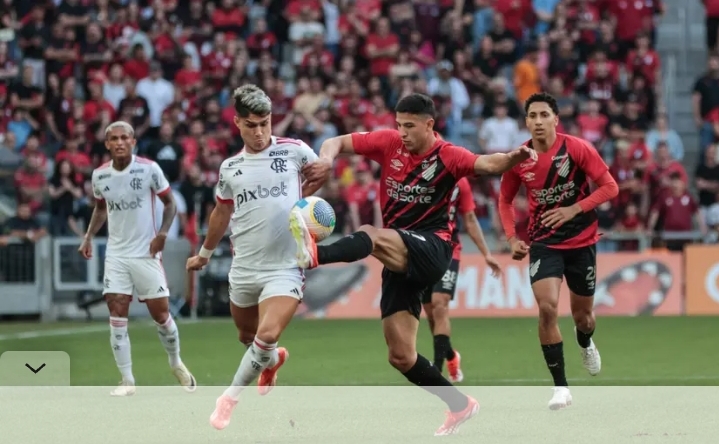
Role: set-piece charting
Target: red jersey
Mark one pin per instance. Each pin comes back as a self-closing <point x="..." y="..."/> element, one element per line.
<point x="416" y="190"/>
<point x="462" y="203"/>
<point x="559" y="178"/>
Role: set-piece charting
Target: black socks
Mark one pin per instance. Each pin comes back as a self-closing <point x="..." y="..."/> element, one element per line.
<point x="554" y="356"/>
<point x="584" y="339"/>
<point x="442" y="350"/>
<point x="427" y="376"/>
<point x="350" y="248"/>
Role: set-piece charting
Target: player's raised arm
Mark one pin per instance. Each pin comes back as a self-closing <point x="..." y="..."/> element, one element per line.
<point x="499" y="163"/>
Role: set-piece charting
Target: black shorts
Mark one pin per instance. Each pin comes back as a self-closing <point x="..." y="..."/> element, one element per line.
<point x="447" y="284"/>
<point x="578" y="266"/>
<point x="428" y="258"/>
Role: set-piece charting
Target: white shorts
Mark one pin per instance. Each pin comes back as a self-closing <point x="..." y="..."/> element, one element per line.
<point x="250" y="287"/>
<point x="143" y="277"/>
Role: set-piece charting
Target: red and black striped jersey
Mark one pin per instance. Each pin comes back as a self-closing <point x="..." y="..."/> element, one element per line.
<point x="416" y="191"/>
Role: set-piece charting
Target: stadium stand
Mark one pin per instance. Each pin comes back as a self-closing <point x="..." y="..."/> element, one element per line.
<point x="68" y="68"/>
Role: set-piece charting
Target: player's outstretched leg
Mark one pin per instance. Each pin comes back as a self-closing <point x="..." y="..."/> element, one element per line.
<point x="546" y="292"/>
<point x="400" y="330"/>
<point x="350" y="248"/>
<point x="120" y="341"/>
<point x="584" y="325"/>
<point x="275" y="314"/>
<point x="169" y="335"/>
<point x="246" y="320"/>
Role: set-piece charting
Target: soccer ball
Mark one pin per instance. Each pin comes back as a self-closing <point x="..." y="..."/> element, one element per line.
<point x="319" y="216"/>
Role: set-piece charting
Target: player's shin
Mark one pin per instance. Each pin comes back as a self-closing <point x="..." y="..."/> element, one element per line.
<point x="170" y="338"/>
<point x="257" y="357"/>
<point x="554" y="357"/>
<point x="429" y="377"/>
<point x="350" y="248"/>
<point x="120" y="342"/>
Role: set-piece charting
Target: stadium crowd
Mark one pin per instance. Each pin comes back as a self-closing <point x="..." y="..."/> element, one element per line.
<point x="68" y="68"/>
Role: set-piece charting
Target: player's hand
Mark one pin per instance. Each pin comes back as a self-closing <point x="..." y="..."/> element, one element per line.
<point x="86" y="248"/>
<point x="157" y="244"/>
<point x="523" y="153"/>
<point x="196" y="263"/>
<point x="519" y="249"/>
<point x="493" y="265"/>
<point x="318" y="171"/>
<point x="556" y="217"/>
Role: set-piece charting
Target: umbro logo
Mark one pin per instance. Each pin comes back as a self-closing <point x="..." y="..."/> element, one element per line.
<point x="237" y="173"/>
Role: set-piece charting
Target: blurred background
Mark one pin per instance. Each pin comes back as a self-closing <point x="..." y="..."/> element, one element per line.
<point x="638" y="79"/>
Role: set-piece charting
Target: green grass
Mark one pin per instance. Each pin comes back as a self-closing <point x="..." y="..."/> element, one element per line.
<point x="635" y="351"/>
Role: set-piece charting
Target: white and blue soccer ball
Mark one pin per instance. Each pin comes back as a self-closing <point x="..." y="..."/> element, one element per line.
<point x="319" y="216"/>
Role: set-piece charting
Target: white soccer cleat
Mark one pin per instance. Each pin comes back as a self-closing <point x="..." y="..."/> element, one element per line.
<point x="124" y="389"/>
<point x="306" y="245"/>
<point x="560" y="399"/>
<point x="590" y="357"/>
<point x="183" y="375"/>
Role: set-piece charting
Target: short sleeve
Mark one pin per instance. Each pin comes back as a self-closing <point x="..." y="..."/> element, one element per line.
<point x="376" y="145"/>
<point x="459" y="161"/>
<point x="96" y="192"/>
<point x="223" y="191"/>
<point x="466" y="198"/>
<point x="159" y="183"/>
<point x="305" y="155"/>
<point x="589" y="160"/>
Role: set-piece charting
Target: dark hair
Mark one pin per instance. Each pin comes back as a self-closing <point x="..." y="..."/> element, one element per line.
<point x="542" y="97"/>
<point x="416" y="104"/>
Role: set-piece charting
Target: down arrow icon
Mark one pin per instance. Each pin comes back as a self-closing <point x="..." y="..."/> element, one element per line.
<point x="35" y="370"/>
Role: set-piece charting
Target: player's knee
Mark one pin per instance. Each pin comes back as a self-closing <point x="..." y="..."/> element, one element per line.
<point x="246" y="337"/>
<point x="269" y="335"/>
<point x="401" y="359"/>
<point x="547" y="312"/>
<point x="440" y="310"/>
<point x="584" y="319"/>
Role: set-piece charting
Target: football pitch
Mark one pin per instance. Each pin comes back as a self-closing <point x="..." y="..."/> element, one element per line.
<point x="640" y="351"/>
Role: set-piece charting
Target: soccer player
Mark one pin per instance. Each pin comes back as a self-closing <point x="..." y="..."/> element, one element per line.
<point x="436" y="304"/>
<point x="124" y="191"/>
<point x="419" y="175"/>
<point x="562" y="232"/>
<point x="257" y="188"/>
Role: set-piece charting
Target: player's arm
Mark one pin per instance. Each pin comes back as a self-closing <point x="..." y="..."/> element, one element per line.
<point x="475" y="233"/>
<point x="99" y="213"/>
<point x="594" y="167"/>
<point x="499" y="163"/>
<point x="462" y="163"/>
<point x="219" y="218"/>
<point x="161" y="187"/>
<point x="306" y="157"/>
<point x="507" y="192"/>
<point x="332" y="147"/>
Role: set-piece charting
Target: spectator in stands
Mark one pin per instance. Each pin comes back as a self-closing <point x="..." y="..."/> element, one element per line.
<point x="707" y="178"/>
<point x="660" y="173"/>
<point x="711" y="23"/>
<point x="705" y="100"/>
<point x="662" y="133"/>
<point x="64" y="190"/>
<point x="363" y="199"/>
<point x="498" y="134"/>
<point x="676" y="212"/>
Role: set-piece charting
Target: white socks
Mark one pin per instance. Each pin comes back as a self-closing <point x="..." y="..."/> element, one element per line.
<point x="170" y="338"/>
<point x="258" y="357"/>
<point x="120" y="342"/>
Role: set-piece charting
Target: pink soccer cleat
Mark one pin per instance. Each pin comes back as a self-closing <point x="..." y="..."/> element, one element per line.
<point x="268" y="377"/>
<point x="456" y="419"/>
<point x="224" y="406"/>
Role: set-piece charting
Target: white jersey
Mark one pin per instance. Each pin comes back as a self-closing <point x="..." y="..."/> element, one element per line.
<point x="263" y="188"/>
<point x="130" y="198"/>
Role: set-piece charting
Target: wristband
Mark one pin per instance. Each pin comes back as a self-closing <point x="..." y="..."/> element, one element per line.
<point x="205" y="253"/>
